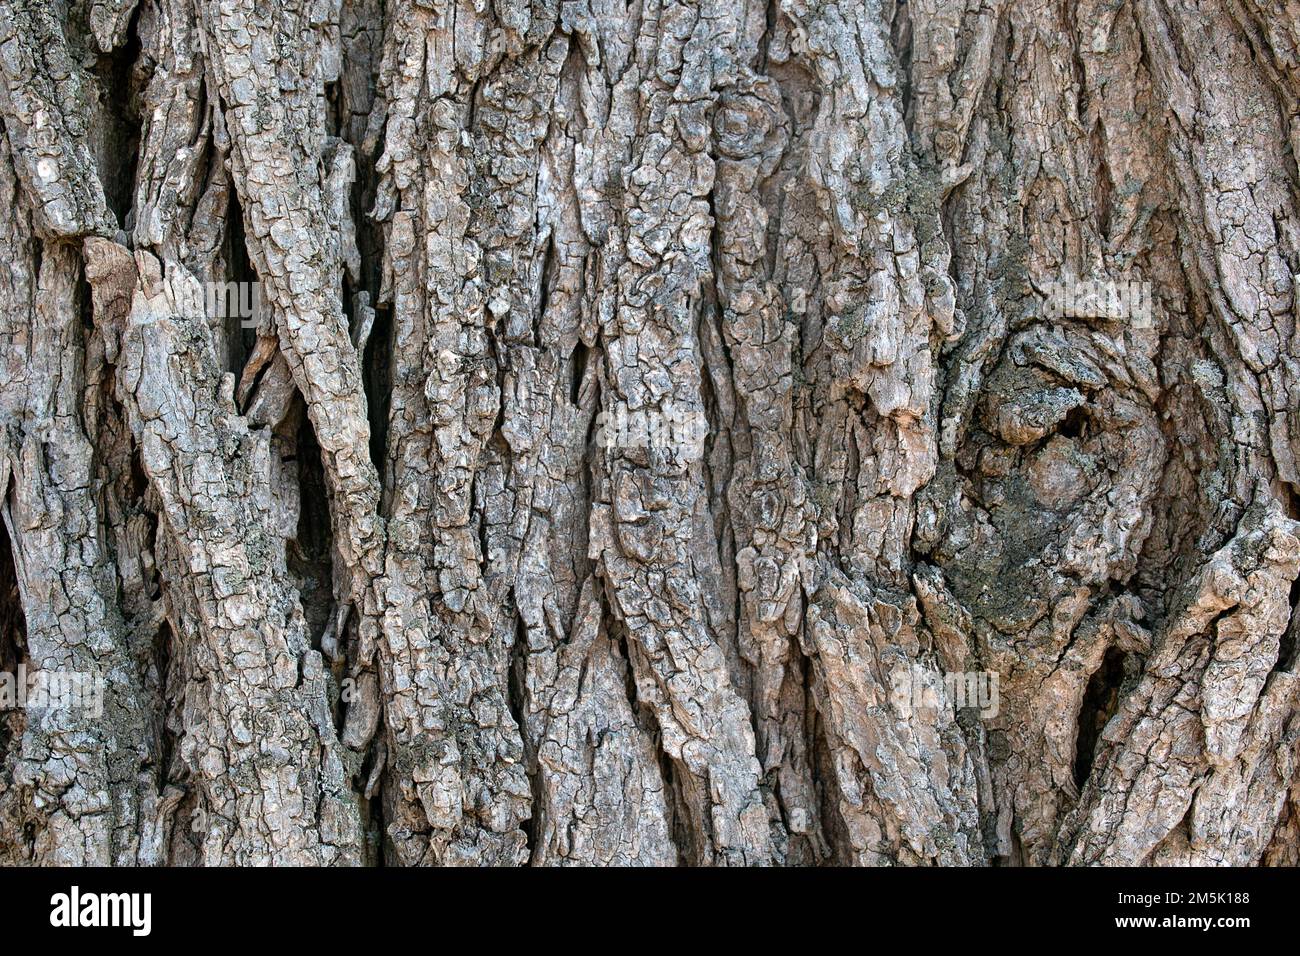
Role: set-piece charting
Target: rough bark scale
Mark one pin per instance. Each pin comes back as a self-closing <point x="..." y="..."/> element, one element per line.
<point x="364" y="584"/>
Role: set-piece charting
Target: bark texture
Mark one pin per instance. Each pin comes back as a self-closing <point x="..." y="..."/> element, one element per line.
<point x="364" y="577"/>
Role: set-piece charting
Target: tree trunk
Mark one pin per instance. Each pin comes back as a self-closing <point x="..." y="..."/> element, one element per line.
<point x="705" y="433"/>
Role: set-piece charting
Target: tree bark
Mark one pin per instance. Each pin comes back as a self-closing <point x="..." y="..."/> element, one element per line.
<point x="376" y="574"/>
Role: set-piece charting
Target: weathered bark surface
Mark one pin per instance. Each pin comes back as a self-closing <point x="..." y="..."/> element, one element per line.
<point x="364" y="577"/>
